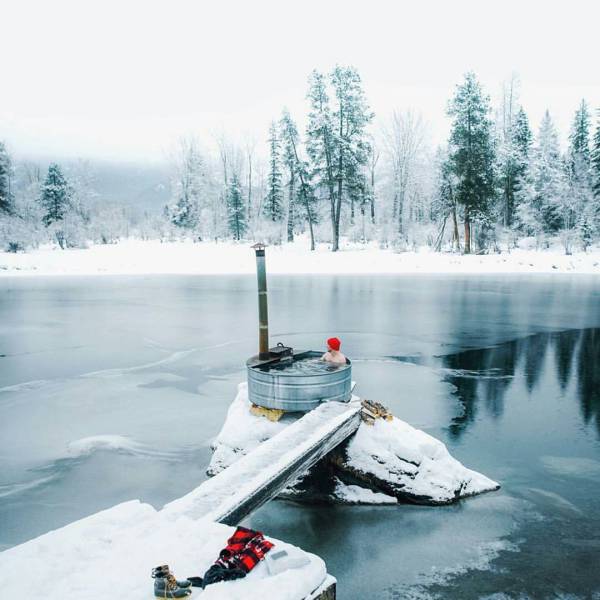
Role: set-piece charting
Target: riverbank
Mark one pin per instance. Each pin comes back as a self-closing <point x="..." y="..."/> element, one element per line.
<point x="137" y="257"/>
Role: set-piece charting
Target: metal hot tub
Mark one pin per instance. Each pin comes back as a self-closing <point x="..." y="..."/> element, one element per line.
<point x="270" y="387"/>
<point x="270" y="384"/>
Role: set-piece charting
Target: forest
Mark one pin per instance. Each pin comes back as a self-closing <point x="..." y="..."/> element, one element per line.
<point x="343" y="176"/>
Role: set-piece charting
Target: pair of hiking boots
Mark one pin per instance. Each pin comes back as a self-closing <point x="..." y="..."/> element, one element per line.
<point x="166" y="586"/>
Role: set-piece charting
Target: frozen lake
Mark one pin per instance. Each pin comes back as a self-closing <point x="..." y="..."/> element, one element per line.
<point x="113" y="388"/>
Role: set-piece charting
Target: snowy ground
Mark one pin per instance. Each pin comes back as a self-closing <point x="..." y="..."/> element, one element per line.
<point x="111" y="553"/>
<point x="152" y="257"/>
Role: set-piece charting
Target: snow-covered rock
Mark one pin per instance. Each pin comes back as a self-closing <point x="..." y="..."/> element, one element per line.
<point x="356" y="494"/>
<point x="399" y="460"/>
<point x="111" y="553"/>
<point x="387" y="462"/>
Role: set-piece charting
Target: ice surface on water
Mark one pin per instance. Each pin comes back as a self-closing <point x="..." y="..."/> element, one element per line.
<point x="90" y="362"/>
<point x="305" y="366"/>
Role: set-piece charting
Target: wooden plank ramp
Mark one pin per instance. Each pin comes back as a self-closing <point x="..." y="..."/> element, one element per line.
<point x="237" y="491"/>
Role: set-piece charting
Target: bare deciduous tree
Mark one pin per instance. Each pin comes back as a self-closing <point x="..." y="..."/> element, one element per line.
<point x="404" y="138"/>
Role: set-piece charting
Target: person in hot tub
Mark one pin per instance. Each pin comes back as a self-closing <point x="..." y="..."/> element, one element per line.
<point x="333" y="354"/>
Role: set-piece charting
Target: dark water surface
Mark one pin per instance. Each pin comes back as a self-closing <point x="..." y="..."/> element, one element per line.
<point x="112" y="388"/>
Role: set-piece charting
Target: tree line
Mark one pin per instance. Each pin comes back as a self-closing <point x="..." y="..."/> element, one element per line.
<point x="494" y="182"/>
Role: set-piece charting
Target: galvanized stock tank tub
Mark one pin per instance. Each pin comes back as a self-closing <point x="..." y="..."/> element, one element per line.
<point x="270" y="385"/>
<point x="271" y="381"/>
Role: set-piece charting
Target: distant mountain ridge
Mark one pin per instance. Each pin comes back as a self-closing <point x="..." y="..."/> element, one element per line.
<point x="143" y="188"/>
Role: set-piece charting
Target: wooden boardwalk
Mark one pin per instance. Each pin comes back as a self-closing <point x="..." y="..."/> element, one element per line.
<point x="246" y="485"/>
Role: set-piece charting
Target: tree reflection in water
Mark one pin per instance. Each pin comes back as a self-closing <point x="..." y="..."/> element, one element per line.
<point x="482" y="376"/>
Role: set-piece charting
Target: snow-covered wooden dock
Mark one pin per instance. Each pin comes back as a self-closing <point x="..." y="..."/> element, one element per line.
<point x="260" y="475"/>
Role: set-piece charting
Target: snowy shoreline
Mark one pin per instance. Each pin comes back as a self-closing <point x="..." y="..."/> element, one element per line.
<point x="136" y="257"/>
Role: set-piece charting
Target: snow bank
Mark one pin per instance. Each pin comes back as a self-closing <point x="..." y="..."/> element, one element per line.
<point x="110" y="554"/>
<point x="381" y="464"/>
<point x="408" y="463"/>
<point x="153" y="257"/>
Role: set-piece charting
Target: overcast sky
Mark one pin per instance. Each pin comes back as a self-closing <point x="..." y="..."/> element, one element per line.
<point x="123" y="79"/>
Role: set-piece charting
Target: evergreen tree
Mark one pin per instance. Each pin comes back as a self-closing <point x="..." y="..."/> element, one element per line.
<point x="319" y="140"/>
<point x="273" y="207"/>
<point x="55" y="196"/>
<point x="188" y="187"/>
<point x="337" y="143"/>
<point x="6" y="198"/>
<point x="522" y="139"/>
<point x="512" y="148"/>
<point x="580" y="136"/>
<point x="543" y="192"/>
<point x="586" y="231"/>
<point x="289" y="137"/>
<point x="472" y="152"/>
<point x="580" y="200"/>
<point x="236" y="210"/>
<point x="351" y="116"/>
<point x="301" y="195"/>
<point x="595" y="162"/>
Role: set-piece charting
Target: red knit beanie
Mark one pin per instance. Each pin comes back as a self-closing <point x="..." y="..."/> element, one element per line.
<point x="334" y="343"/>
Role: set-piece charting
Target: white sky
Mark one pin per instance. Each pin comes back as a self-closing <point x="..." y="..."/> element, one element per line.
<point x="123" y="79"/>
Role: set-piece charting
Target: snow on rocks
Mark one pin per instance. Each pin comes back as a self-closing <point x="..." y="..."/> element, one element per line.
<point x="382" y="463"/>
<point x="399" y="460"/>
<point x="355" y="494"/>
<point x="111" y="553"/>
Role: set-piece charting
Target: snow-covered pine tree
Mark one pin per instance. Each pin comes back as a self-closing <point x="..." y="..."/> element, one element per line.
<point x="236" y="209"/>
<point x="350" y="118"/>
<point x="304" y="197"/>
<point x="289" y="139"/>
<point x="513" y="154"/>
<point x="55" y="200"/>
<point x="188" y="186"/>
<point x="595" y="171"/>
<point x="273" y="206"/>
<point x="472" y="152"/>
<point x="579" y="138"/>
<point x="319" y="141"/>
<point x="580" y="209"/>
<point x="522" y="138"/>
<point x="55" y="196"/>
<point x="543" y="190"/>
<point x="595" y="161"/>
<point x="6" y="198"/>
<point x="585" y="229"/>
